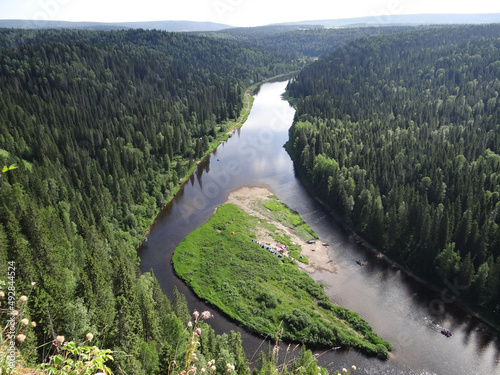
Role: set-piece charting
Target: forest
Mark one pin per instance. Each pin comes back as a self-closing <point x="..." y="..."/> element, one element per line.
<point x="306" y="41"/>
<point x="400" y="134"/>
<point x="100" y="127"/>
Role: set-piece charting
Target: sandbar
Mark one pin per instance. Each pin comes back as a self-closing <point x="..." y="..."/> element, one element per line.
<point x="246" y="198"/>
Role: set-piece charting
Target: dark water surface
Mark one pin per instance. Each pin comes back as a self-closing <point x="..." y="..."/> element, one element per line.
<point x="399" y="309"/>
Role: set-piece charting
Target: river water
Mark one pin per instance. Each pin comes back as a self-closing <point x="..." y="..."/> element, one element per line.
<point x="400" y="309"/>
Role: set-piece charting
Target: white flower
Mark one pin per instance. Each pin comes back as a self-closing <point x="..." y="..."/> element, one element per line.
<point x="206" y="315"/>
<point x="353" y="367"/>
<point x="23" y="298"/>
<point x="196" y="314"/>
<point x="60" y="339"/>
<point x="89" y="336"/>
<point x="21" y="337"/>
<point x="25" y="321"/>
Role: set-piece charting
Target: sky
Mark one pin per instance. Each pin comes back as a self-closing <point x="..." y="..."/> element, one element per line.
<point x="230" y="12"/>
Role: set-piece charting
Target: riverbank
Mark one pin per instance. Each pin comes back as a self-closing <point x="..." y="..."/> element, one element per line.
<point x="250" y="199"/>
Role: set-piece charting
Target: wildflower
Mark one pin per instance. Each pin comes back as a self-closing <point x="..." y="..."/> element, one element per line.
<point x="206" y="315"/>
<point x="203" y="370"/>
<point x="194" y="357"/>
<point x="211" y="362"/>
<point x="190" y="324"/>
<point x="344" y="370"/>
<point x="23" y="298"/>
<point x="213" y="368"/>
<point x="89" y="336"/>
<point x="21" y="337"/>
<point x="353" y="367"/>
<point x="198" y="331"/>
<point x="14" y="313"/>
<point x="25" y="321"/>
<point x="33" y="324"/>
<point x="60" y="339"/>
<point x="196" y="314"/>
<point x="33" y="283"/>
<point x="2" y="294"/>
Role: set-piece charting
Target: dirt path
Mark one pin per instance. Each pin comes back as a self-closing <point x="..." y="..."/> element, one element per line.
<point x="245" y="198"/>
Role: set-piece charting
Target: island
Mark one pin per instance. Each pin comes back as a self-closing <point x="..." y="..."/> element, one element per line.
<point x="245" y="261"/>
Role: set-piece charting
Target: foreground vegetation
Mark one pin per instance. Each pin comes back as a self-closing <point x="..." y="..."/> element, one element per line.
<point x="255" y="287"/>
<point x="401" y="134"/>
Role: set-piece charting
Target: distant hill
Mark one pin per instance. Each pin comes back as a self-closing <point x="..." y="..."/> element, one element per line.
<point x="175" y="25"/>
<point x="404" y="19"/>
<point x="192" y="26"/>
<point x="158" y="25"/>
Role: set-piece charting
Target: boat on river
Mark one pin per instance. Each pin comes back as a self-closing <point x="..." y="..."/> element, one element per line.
<point x="446" y="332"/>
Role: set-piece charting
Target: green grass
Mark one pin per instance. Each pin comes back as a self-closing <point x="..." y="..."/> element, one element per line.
<point x="278" y="211"/>
<point x="222" y="265"/>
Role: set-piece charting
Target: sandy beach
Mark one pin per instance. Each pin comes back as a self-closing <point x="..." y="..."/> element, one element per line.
<point x="247" y="197"/>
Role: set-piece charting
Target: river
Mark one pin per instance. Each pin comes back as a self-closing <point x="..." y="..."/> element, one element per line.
<point x="400" y="309"/>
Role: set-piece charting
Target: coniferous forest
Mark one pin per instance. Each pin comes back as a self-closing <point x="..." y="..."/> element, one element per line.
<point x="401" y="135"/>
<point x="300" y="41"/>
<point x="397" y="129"/>
<point x="101" y="126"/>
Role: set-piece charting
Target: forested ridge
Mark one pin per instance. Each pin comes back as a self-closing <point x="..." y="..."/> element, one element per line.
<point x="101" y="127"/>
<point x="301" y="41"/>
<point x="401" y="134"/>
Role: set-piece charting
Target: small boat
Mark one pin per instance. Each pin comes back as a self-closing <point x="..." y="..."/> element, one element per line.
<point x="325" y="243"/>
<point x="446" y="332"/>
<point x="311" y="242"/>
